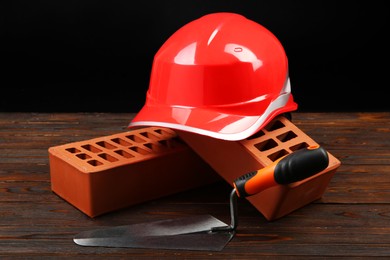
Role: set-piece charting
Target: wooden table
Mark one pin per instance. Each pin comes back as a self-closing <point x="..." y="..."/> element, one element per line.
<point x="352" y="219"/>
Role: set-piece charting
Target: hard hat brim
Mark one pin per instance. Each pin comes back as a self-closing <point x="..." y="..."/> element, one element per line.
<point x="212" y="122"/>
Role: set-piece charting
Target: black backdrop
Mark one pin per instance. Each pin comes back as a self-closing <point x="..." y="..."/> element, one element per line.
<point x="96" y="56"/>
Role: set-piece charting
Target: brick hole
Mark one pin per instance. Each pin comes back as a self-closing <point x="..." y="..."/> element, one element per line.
<point x="120" y="141"/>
<point x="160" y="131"/>
<point x="91" y="148"/>
<point x="73" y="150"/>
<point x="172" y="142"/>
<point x="106" y="145"/>
<point x="135" y="138"/>
<point x="256" y="135"/>
<point x="175" y="140"/>
<point x="179" y="140"/>
<point x="266" y="145"/>
<point x="299" y="146"/>
<point x="166" y="143"/>
<point x="95" y="162"/>
<point x="108" y="157"/>
<point x="149" y="136"/>
<point x="276" y="155"/>
<point x="124" y="154"/>
<point x="138" y="150"/>
<point x="155" y="147"/>
<point x="287" y="136"/>
<point x="83" y="156"/>
<point x="274" y="125"/>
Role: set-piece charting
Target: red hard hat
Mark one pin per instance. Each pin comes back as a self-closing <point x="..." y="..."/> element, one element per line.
<point x="222" y="75"/>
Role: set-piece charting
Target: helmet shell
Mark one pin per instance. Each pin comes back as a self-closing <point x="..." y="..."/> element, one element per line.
<point x="221" y="75"/>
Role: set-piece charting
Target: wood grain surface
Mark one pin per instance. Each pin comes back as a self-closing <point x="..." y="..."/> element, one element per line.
<point x="352" y="219"/>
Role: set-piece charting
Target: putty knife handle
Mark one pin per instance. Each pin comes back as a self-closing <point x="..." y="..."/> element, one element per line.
<point x="290" y="168"/>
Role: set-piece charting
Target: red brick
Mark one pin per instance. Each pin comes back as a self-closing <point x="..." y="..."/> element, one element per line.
<point x="104" y="174"/>
<point x="231" y="159"/>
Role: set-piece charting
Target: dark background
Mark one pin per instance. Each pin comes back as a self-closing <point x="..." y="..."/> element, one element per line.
<point x="96" y="56"/>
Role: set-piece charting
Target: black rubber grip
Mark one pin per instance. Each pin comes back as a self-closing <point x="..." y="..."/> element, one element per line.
<point x="240" y="183"/>
<point x="300" y="165"/>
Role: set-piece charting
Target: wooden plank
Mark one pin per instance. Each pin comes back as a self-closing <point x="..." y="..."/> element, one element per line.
<point x="313" y="230"/>
<point x="350" y="220"/>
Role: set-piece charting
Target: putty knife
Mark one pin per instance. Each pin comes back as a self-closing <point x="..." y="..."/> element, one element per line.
<point x="205" y="232"/>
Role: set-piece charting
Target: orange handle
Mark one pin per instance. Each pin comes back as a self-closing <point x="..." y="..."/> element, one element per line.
<point x="290" y="168"/>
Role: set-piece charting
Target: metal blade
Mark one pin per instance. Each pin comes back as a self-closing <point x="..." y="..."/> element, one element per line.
<point x="208" y="241"/>
<point x="189" y="233"/>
